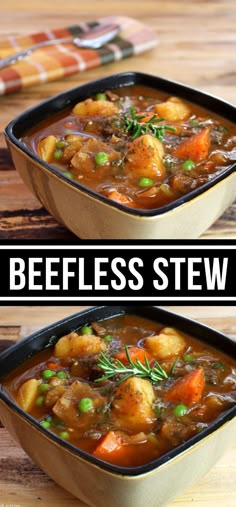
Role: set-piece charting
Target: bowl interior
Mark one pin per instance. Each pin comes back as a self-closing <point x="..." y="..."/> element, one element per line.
<point x="18" y="127"/>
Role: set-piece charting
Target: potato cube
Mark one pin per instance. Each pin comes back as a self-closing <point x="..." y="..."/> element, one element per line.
<point x="166" y="344"/>
<point x="46" y="148"/>
<point x="144" y="158"/>
<point x="28" y="393"/>
<point x="67" y="406"/>
<point x="91" y="107"/>
<point x="174" y="109"/>
<point x="132" y="405"/>
<point x="73" y="345"/>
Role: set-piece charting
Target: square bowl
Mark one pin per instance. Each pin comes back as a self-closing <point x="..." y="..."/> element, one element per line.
<point x="91" y="215"/>
<point x="98" y="483"/>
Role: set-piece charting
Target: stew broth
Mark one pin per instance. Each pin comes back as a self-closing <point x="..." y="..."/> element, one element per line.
<point x="136" y="146"/>
<point x="127" y="389"/>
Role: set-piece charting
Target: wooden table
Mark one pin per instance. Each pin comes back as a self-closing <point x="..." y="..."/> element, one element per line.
<point x="23" y="484"/>
<point x="197" y="46"/>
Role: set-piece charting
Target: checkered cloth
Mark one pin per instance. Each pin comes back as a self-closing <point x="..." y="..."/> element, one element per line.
<point x="55" y="62"/>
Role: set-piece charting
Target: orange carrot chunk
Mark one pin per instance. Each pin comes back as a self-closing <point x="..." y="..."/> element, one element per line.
<point x="195" y="147"/>
<point x="52" y="366"/>
<point x="110" y="447"/>
<point x="135" y="353"/>
<point x="118" y="197"/>
<point x="147" y="116"/>
<point x="187" y="389"/>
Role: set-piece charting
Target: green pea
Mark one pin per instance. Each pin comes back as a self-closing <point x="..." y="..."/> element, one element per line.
<point x="188" y="358"/>
<point x="101" y="158"/>
<point x="107" y="338"/>
<point x="57" y="154"/>
<point x="180" y="410"/>
<point x="40" y="401"/>
<point x="67" y="132"/>
<point x="65" y="435"/>
<point x="48" y="374"/>
<point x="86" y="330"/>
<point x="85" y="404"/>
<point x="43" y="388"/>
<point x="101" y="96"/>
<point x="62" y="374"/>
<point x="68" y="175"/>
<point x="188" y="165"/>
<point x="45" y="424"/>
<point x="145" y="182"/>
<point x="61" y="144"/>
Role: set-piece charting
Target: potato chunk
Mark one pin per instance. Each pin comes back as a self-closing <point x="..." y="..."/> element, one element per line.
<point x="46" y="148"/>
<point x="144" y="158"/>
<point x="166" y="344"/>
<point x="75" y="143"/>
<point x="132" y="405"/>
<point x="84" y="158"/>
<point x="91" y="107"/>
<point x="66" y="407"/>
<point x="53" y="395"/>
<point x="28" y="393"/>
<point x="73" y="345"/>
<point x="174" y="109"/>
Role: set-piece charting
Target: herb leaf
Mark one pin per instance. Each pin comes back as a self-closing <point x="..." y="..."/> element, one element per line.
<point x="113" y="367"/>
<point x="132" y="124"/>
<point x="173" y="366"/>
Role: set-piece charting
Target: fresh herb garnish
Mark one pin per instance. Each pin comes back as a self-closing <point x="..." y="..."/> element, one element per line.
<point x="113" y="367"/>
<point x="173" y="366"/>
<point x="137" y="128"/>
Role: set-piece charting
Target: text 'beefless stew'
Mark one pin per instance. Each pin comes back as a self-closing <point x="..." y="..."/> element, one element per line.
<point x="136" y="146"/>
<point x="126" y="389"/>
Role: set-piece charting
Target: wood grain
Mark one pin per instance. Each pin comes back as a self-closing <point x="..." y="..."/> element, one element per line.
<point x="196" y="46"/>
<point x="23" y="484"/>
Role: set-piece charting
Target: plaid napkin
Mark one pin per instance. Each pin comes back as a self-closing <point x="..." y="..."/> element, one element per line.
<point x="55" y="62"/>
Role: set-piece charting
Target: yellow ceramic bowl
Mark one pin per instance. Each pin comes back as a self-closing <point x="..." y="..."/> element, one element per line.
<point x="95" y="482"/>
<point x="90" y="215"/>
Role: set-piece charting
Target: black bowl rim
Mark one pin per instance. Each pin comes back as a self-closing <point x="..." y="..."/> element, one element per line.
<point x="114" y="81"/>
<point x="155" y="313"/>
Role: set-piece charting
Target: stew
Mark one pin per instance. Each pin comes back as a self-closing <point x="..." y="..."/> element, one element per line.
<point x="127" y="389"/>
<point x="136" y="146"/>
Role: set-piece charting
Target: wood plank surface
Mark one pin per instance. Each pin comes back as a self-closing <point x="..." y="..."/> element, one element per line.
<point x="23" y="484"/>
<point x="196" y="46"/>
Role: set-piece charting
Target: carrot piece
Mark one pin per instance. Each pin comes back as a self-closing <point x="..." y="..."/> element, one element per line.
<point x="187" y="389"/>
<point x="121" y="198"/>
<point x="135" y="353"/>
<point x="110" y="447"/>
<point x="52" y="366"/>
<point x="147" y="117"/>
<point x="195" y="147"/>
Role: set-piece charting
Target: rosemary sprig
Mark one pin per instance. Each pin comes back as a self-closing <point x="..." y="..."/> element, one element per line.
<point x="137" y="128"/>
<point x="113" y="367"/>
<point x="173" y="366"/>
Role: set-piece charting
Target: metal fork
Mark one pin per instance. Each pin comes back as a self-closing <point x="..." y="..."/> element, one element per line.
<point x="93" y="39"/>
